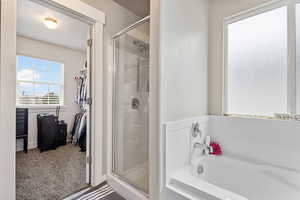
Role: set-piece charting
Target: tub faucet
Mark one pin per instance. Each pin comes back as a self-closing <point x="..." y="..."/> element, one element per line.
<point x="206" y="149"/>
<point x="203" y="146"/>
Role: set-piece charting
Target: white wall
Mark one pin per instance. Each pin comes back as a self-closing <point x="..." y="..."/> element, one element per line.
<point x="154" y="102"/>
<point x="73" y="61"/>
<point x="183" y="63"/>
<point x="218" y="10"/>
<point x="117" y="18"/>
<point x="183" y="32"/>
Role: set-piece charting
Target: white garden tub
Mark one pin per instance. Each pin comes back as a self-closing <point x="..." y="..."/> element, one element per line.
<point x="246" y="171"/>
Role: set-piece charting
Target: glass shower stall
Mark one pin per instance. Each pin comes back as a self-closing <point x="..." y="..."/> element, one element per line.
<point x="131" y="106"/>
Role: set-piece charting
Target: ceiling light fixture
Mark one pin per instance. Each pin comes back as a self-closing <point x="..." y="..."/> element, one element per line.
<point x="50" y="23"/>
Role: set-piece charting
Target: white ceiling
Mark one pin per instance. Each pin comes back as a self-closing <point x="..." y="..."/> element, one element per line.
<point x="139" y="7"/>
<point x="70" y="33"/>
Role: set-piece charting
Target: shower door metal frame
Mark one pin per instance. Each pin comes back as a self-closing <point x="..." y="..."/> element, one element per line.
<point x="112" y="170"/>
<point x="133" y="26"/>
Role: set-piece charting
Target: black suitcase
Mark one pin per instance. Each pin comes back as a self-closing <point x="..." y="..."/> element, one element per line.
<point x="47" y="132"/>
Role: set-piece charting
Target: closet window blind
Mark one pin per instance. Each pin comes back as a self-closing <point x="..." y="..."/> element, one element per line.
<point x="39" y="82"/>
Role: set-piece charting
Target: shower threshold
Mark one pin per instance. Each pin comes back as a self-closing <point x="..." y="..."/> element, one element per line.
<point x="125" y="188"/>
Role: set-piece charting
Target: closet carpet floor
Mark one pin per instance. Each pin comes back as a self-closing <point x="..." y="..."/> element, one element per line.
<point x="51" y="175"/>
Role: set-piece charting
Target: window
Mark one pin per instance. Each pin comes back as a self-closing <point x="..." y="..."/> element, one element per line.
<point x="256" y="67"/>
<point x="39" y="82"/>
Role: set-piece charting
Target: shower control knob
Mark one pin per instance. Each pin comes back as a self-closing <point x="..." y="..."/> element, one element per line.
<point x="135" y="103"/>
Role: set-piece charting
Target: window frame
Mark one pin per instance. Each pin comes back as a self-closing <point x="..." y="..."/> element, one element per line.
<point x="293" y="106"/>
<point x="61" y="84"/>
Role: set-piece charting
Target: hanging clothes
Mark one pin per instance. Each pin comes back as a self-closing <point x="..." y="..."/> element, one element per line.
<point x="82" y="139"/>
<point x="76" y="122"/>
<point x="80" y="120"/>
<point x="82" y="88"/>
<point x="79" y="131"/>
<point x="81" y="124"/>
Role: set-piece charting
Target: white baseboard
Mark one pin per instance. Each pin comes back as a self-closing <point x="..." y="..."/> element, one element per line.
<point x="19" y="145"/>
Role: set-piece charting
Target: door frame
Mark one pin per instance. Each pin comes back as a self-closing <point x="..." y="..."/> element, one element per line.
<point x="77" y="9"/>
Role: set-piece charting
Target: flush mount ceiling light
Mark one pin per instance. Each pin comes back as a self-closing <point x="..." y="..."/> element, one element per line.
<point x="50" y="23"/>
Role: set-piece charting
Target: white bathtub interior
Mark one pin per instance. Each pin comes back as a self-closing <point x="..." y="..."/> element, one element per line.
<point x="260" y="159"/>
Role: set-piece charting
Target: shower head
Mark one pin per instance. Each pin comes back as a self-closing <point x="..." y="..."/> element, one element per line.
<point x="141" y="46"/>
<point x="135" y="42"/>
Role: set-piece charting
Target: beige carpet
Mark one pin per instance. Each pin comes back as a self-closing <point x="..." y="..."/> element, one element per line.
<point x="50" y="175"/>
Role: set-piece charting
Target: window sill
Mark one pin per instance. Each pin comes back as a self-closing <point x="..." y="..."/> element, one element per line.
<point x="43" y="108"/>
<point x="259" y="117"/>
<point x="250" y="116"/>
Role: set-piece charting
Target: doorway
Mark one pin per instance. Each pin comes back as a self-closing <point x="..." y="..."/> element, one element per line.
<point x="78" y="10"/>
<point x="52" y="108"/>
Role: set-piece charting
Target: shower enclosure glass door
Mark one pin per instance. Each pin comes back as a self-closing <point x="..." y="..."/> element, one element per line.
<point x="131" y="94"/>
